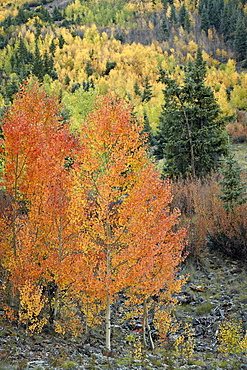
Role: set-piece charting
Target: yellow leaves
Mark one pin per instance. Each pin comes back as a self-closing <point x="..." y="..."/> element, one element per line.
<point x="184" y="343"/>
<point x="31" y="304"/>
<point x="74" y="8"/>
<point x="222" y="99"/>
<point x="231" y="337"/>
<point x="69" y="321"/>
<point x="142" y="6"/>
<point x="92" y="35"/>
<point x="239" y="97"/>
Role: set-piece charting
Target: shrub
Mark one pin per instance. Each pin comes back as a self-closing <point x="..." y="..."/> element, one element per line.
<point x="210" y="223"/>
<point x="231" y="337"/>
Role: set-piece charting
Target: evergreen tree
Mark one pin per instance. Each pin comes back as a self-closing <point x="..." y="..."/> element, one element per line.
<point x="230" y="15"/>
<point x="173" y="15"/>
<point x="61" y="41"/>
<point x="12" y="88"/>
<point x="184" y="18"/>
<point x="38" y="29"/>
<point x="89" y="70"/>
<point x="137" y="89"/>
<point x="3" y="41"/>
<point x="204" y="20"/>
<point x="109" y="67"/>
<point x="187" y="23"/>
<point x="57" y="15"/>
<point x="147" y="92"/>
<point x="232" y="186"/>
<point x="202" y="4"/>
<point x="38" y="67"/>
<point x="52" y="47"/>
<point x="215" y="14"/>
<point x="44" y="15"/>
<point x="164" y="29"/>
<point x="147" y="129"/>
<point x="21" y="17"/>
<point x="241" y="40"/>
<point x="191" y="134"/>
<point x="48" y="66"/>
<point x="66" y="80"/>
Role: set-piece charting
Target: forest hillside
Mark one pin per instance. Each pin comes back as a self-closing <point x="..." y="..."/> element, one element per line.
<point x="123" y="184"/>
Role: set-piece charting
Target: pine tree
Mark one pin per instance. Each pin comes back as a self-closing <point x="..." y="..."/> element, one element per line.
<point x="147" y="92"/>
<point x="57" y="15"/>
<point x="52" y="47"/>
<point x="184" y="18"/>
<point x="137" y="89"/>
<point x="147" y="129"/>
<point x="61" y="41"/>
<point x="241" y="40"/>
<point x="89" y="70"/>
<point x="191" y="134"/>
<point x="232" y="186"/>
<point x="38" y="29"/>
<point x="173" y="15"/>
<point x="230" y="14"/>
<point x="164" y="29"/>
<point x="204" y="20"/>
<point x="38" y="68"/>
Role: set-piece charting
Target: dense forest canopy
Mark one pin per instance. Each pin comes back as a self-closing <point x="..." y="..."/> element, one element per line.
<point x="96" y="46"/>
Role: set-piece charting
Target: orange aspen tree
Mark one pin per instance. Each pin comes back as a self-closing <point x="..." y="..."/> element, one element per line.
<point x="35" y="145"/>
<point x="128" y="238"/>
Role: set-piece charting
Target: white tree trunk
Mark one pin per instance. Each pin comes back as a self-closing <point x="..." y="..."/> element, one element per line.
<point x="108" y="324"/>
<point x="146" y="324"/>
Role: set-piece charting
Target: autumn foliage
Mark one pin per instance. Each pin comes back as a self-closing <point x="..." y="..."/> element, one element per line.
<point x="92" y="226"/>
<point x="209" y="222"/>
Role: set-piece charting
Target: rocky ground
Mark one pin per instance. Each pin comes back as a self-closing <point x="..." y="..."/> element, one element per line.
<point x="61" y="4"/>
<point x="216" y="290"/>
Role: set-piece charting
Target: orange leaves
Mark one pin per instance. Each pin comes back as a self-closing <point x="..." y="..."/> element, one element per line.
<point x="32" y="303"/>
<point x="94" y="228"/>
<point x="126" y="220"/>
<point x="33" y="140"/>
<point x="36" y="143"/>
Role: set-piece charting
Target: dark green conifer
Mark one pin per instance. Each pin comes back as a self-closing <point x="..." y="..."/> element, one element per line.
<point x="38" y="29"/>
<point x="173" y="16"/>
<point x="204" y="20"/>
<point x="61" y="41"/>
<point x="191" y="134"/>
<point x="232" y="186"/>
<point x="12" y="88"/>
<point x="109" y="67"/>
<point x="38" y="67"/>
<point x="183" y="15"/>
<point x="137" y="89"/>
<point x="52" y="47"/>
<point x="66" y="80"/>
<point x="241" y="40"/>
<point x="147" y="129"/>
<point x="57" y="14"/>
<point x="3" y="41"/>
<point x="147" y="92"/>
<point x="89" y="70"/>
<point x="164" y="29"/>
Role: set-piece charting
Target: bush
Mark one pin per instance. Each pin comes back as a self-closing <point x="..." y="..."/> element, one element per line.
<point x="209" y="222"/>
<point x="238" y="130"/>
<point x="229" y="234"/>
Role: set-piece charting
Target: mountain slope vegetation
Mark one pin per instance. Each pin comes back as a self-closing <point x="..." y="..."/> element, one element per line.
<point x="93" y="222"/>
